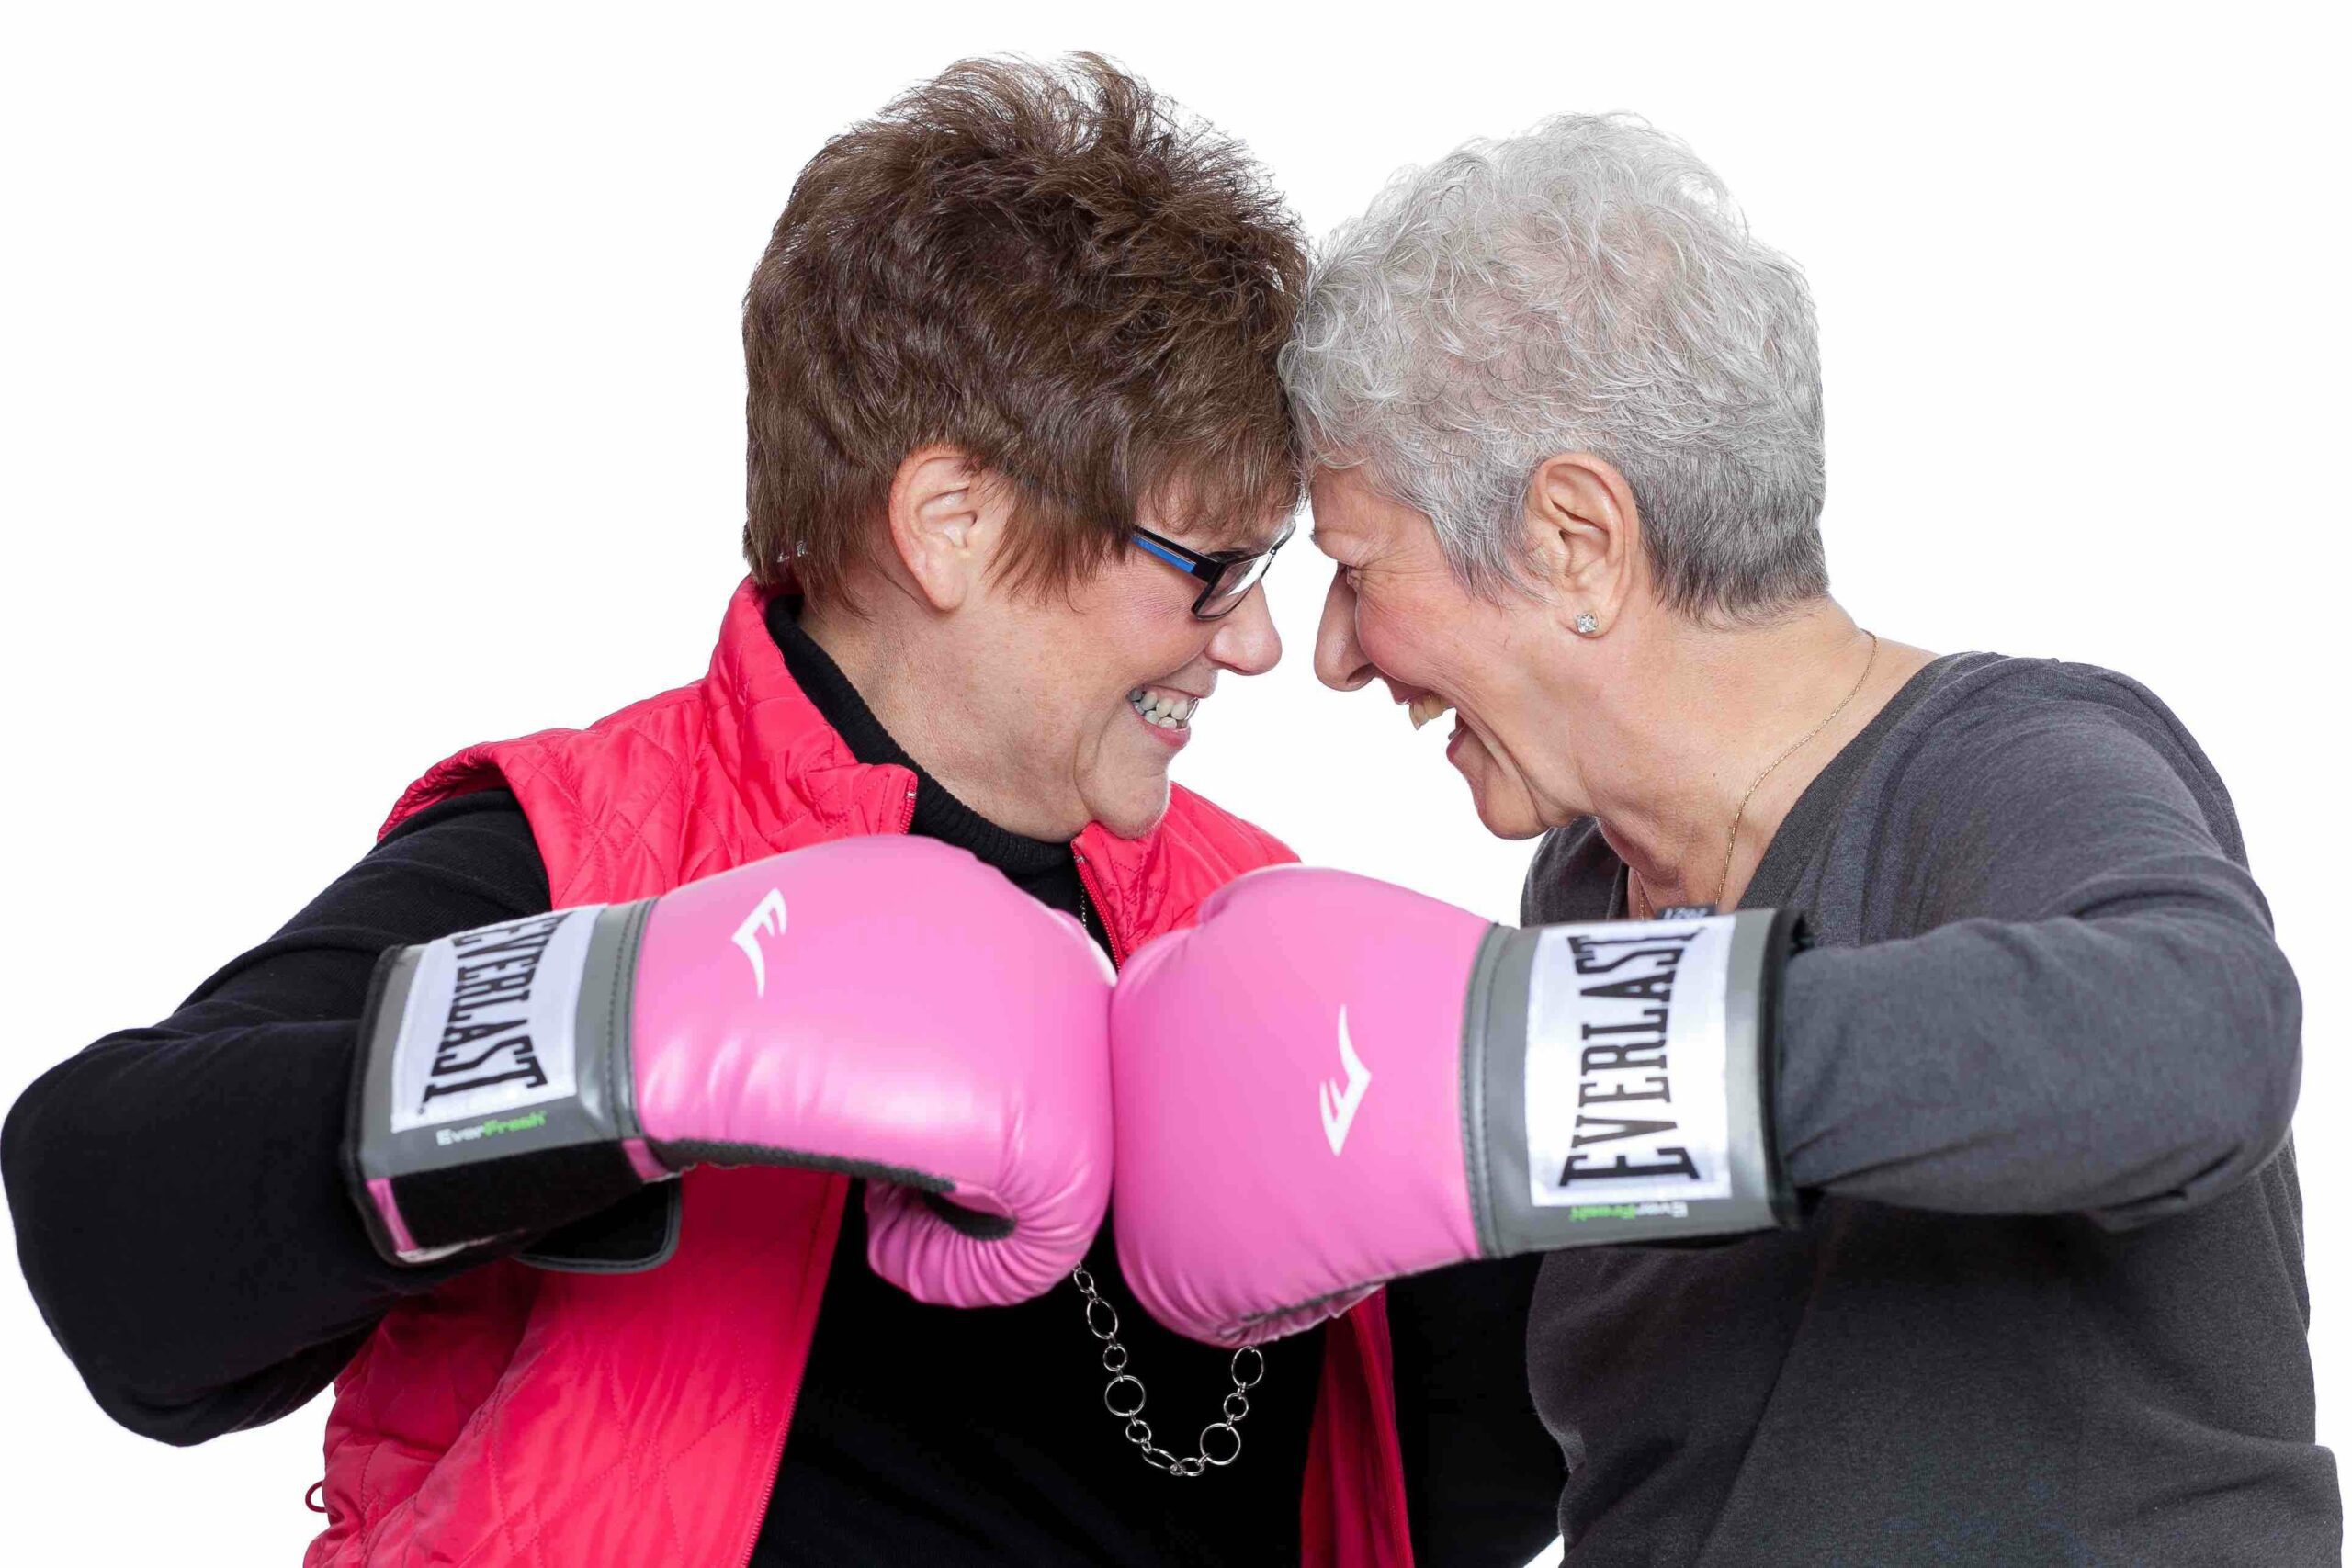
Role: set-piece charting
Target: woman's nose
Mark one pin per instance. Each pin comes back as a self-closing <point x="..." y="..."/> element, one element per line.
<point x="1340" y="664"/>
<point x="1245" y="641"/>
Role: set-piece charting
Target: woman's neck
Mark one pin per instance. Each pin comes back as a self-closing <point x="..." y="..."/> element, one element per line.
<point x="1683" y="748"/>
<point x="918" y="682"/>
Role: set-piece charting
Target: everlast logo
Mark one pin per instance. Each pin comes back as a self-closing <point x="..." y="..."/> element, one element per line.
<point x="487" y="1037"/>
<point x="1624" y="1087"/>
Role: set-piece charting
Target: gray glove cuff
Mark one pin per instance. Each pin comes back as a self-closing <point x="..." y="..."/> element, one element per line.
<point x="492" y="1097"/>
<point x="1618" y="1081"/>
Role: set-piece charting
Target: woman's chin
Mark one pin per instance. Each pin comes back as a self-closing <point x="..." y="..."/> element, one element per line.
<point x="1503" y="809"/>
<point x="1131" y="805"/>
<point x="1518" y="824"/>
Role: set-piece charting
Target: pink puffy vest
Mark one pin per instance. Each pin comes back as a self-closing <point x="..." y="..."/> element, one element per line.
<point x="519" y="1416"/>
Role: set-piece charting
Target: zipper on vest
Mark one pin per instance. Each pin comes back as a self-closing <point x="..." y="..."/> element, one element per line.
<point x="1101" y="910"/>
<point x="775" y="1466"/>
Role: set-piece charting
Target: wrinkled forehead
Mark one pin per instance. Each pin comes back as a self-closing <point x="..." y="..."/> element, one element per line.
<point x="1348" y="510"/>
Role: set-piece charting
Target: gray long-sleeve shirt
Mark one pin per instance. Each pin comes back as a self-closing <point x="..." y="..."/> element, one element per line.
<point x="2048" y="1302"/>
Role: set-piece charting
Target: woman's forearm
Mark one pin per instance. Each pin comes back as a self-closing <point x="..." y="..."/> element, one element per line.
<point x="183" y="1224"/>
<point x="178" y="1191"/>
<point x="2126" y="1066"/>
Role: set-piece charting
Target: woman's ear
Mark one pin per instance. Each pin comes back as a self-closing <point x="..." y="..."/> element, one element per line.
<point x="947" y="519"/>
<point x="1583" y="539"/>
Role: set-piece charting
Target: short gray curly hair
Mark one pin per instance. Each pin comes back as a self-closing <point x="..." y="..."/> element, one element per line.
<point x="1587" y="287"/>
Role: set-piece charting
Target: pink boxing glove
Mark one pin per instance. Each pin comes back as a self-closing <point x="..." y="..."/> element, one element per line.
<point x="1330" y="1082"/>
<point x="889" y="1008"/>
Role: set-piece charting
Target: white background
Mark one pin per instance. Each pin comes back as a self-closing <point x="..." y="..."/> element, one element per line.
<point x="369" y="385"/>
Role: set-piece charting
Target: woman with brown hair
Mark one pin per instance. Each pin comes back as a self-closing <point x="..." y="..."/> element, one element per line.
<point x="1019" y="455"/>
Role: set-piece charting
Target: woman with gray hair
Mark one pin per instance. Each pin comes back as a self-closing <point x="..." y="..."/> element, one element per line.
<point x="2007" y="1259"/>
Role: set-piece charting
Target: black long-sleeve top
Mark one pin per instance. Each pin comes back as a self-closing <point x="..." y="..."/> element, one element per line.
<point x="184" y="1224"/>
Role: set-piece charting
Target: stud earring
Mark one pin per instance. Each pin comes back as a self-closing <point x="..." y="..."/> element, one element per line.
<point x="1588" y="625"/>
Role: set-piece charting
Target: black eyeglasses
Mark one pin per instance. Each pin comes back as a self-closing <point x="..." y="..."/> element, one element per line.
<point x="1226" y="577"/>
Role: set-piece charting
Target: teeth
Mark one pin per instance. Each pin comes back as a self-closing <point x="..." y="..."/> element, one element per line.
<point x="1425" y="708"/>
<point x="1170" y="710"/>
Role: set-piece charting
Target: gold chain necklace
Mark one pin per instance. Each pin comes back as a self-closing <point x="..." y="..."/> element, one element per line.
<point x="1731" y="844"/>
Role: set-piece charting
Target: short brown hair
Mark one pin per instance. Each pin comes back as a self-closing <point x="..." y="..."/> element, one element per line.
<point x="1049" y="268"/>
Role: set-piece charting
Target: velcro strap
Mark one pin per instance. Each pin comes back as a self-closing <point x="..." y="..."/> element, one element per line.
<point x="1628" y="1081"/>
<point x="1624" y="1079"/>
<point x="491" y="1097"/>
<point x="486" y="1030"/>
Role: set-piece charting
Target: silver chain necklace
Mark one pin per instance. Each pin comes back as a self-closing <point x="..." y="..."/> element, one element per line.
<point x="1102" y="1322"/>
<point x="1129" y="1407"/>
